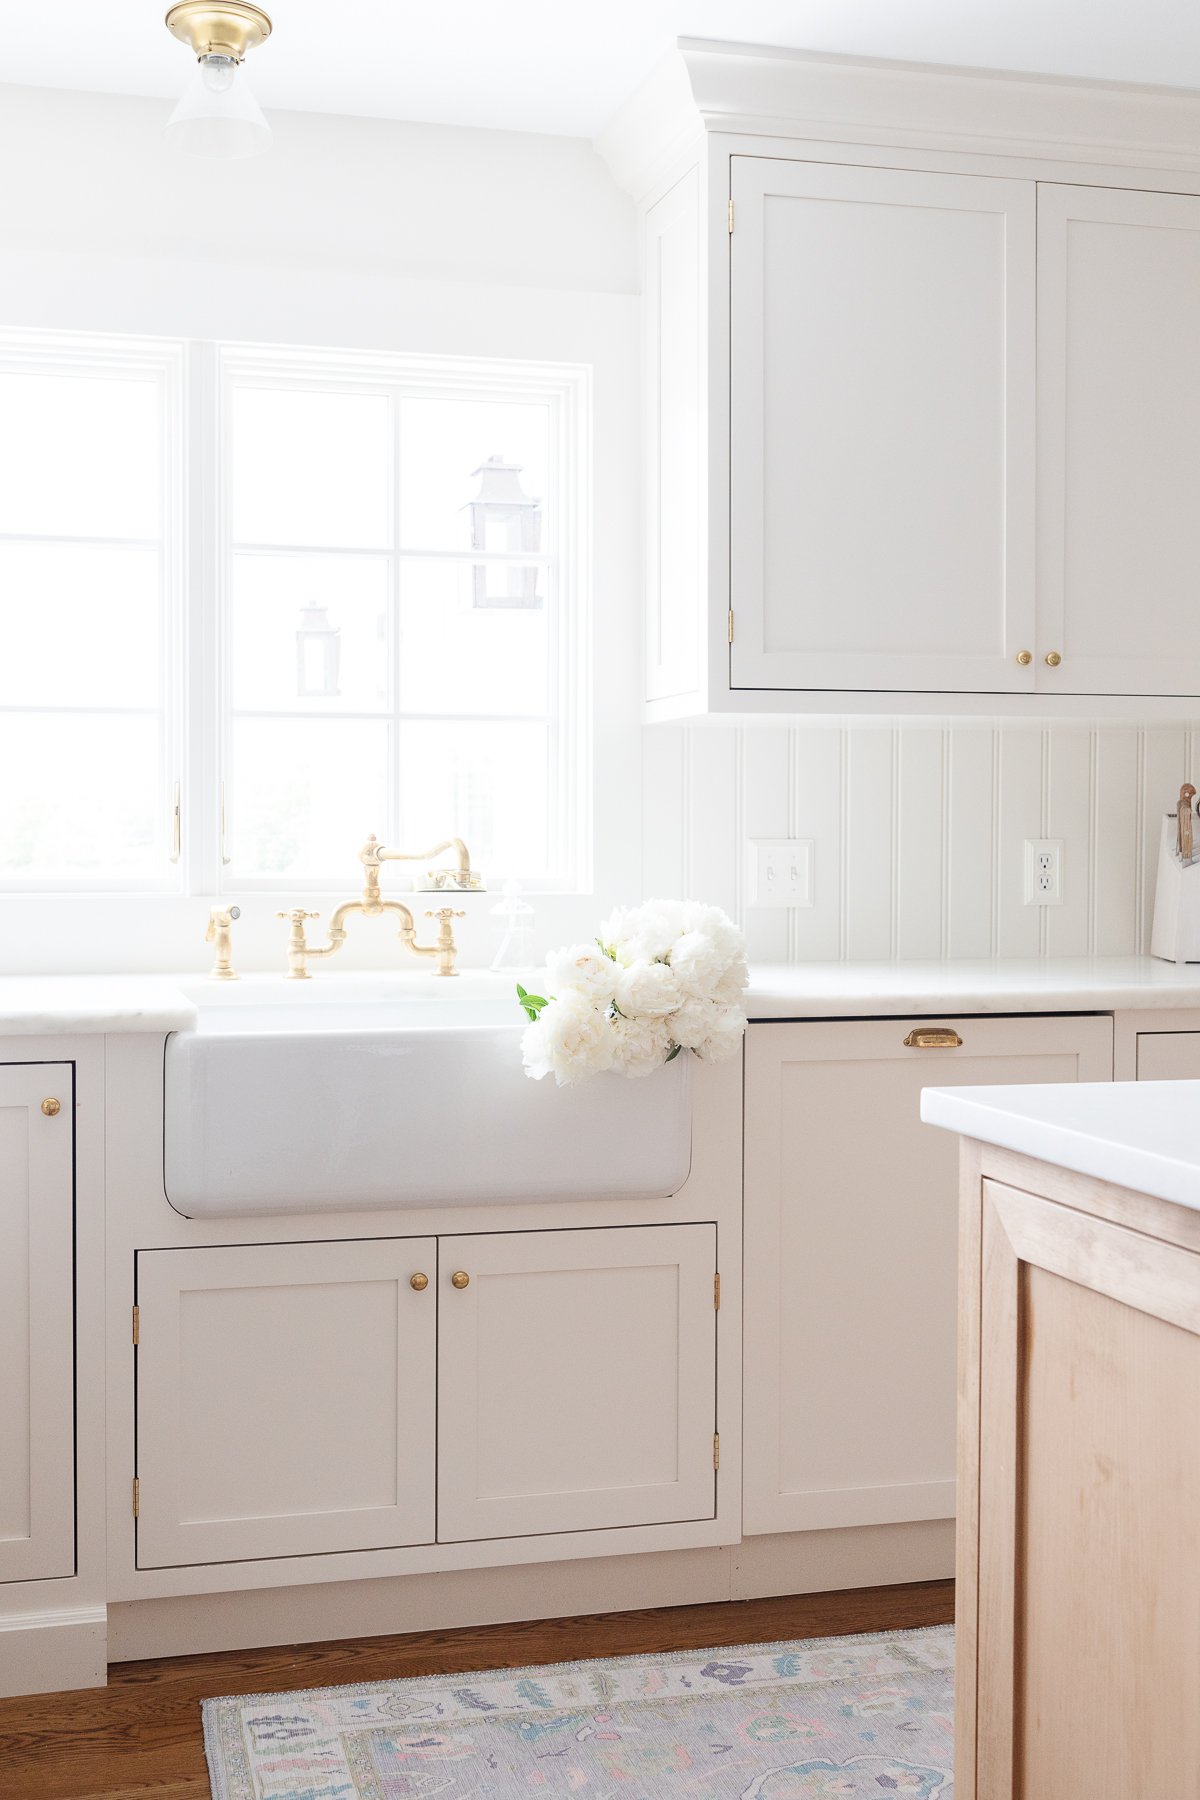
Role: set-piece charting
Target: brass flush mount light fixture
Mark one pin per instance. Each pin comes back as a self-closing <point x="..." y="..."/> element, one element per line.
<point x="218" y="116"/>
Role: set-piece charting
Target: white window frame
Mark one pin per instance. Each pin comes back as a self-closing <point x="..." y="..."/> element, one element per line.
<point x="196" y="377"/>
<point x="162" y="359"/>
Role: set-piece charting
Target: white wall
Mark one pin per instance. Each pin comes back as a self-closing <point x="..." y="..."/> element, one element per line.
<point x="919" y="831"/>
<point x="352" y="233"/>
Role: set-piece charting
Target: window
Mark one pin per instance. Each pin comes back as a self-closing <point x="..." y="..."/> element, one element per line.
<point x="383" y="593"/>
<point x="89" y="603"/>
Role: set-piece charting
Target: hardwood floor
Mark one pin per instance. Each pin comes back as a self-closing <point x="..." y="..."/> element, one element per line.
<point x="139" y="1738"/>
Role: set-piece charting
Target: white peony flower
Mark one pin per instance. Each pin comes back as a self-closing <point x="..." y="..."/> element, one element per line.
<point x="643" y="933"/>
<point x="569" y="1039"/>
<point x="640" y="1045"/>
<point x="583" y="969"/>
<point x="646" y="989"/>
<point x="713" y="1032"/>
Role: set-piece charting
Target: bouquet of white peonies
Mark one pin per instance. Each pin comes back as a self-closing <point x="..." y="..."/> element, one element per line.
<point x="660" y="978"/>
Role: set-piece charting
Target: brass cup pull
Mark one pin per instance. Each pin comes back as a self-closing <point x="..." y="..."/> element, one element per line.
<point x="460" y="1279"/>
<point x="51" y="1107"/>
<point x="940" y="1038"/>
<point x="1052" y="659"/>
<point x="418" y="1282"/>
<point x="1024" y="657"/>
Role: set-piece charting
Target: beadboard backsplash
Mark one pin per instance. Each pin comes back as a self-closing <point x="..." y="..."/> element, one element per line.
<point x="918" y="831"/>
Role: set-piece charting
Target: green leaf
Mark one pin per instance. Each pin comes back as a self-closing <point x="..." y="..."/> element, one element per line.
<point x="674" y="1053"/>
<point x="521" y="994"/>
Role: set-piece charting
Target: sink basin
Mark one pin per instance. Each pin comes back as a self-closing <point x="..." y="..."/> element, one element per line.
<point x="361" y="1092"/>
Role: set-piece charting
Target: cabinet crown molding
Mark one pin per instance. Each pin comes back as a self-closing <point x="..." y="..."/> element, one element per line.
<point x="747" y="90"/>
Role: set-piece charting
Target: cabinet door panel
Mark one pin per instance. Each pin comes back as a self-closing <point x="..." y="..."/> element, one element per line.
<point x="37" y="1377"/>
<point x="850" y="1233"/>
<point x="576" y="1380"/>
<point x="882" y="360"/>
<point x="285" y="1400"/>
<point x="1168" y="1056"/>
<point x="1088" y="1461"/>
<point x="1118" y="448"/>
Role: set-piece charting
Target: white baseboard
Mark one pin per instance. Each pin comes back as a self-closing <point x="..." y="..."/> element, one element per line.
<point x="796" y="1563"/>
<point x="53" y="1652"/>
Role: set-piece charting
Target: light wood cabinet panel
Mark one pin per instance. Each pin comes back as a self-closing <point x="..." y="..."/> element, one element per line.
<point x="882" y="428"/>
<point x="1079" y="1572"/>
<point x="850" y="1245"/>
<point x="576" y="1380"/>
<point x="1168" y="1056"/>
<point x="1118" y="448"/>
<point x="285" y="1399"/>
<point x="37" y="1339"/>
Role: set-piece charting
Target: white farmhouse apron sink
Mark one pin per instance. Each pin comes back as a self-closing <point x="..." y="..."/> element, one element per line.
<point x="362" y="1092"/>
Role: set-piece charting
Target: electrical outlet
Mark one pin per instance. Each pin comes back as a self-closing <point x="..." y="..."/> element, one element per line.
<point x="1043" y="871"/>
<point x="781" y="872"/>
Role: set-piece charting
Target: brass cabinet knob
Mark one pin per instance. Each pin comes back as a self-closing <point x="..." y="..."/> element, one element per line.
<point x="51" y="1107"/>
<point x="1024" y="657"/>
<point x="460" y="1279"/>
<point x="418" y="1282"/>
<point x="1052" y="659"/>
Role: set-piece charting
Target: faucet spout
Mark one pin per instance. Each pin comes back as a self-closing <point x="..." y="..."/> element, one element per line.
<point x="372" y="904"/>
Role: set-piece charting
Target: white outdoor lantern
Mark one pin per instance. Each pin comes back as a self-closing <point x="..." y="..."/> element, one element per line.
<point x="505" y="519"/>
<point x="318" y="654"/>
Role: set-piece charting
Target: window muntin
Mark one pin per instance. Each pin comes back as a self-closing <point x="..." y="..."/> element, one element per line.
<point x="90" y="434"/>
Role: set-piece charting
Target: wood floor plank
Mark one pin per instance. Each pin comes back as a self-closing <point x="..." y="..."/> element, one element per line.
<point x="140" y="1737"/>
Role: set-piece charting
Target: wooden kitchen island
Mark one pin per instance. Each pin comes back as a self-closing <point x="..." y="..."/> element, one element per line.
<point x="1078" y="1571"/>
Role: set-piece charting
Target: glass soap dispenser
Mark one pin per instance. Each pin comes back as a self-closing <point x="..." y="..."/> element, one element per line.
<point x="512" y="925"/>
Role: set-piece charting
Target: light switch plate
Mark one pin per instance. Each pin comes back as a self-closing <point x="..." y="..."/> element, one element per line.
<point x="1043" y="871"/>
<point x="781" y="872"/>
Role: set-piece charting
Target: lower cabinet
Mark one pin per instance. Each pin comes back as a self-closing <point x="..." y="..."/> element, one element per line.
<point x="37" y="1339"/>
<point x="850" y="1256"/>
<point x="294" y="1399"/>
<point x="1168" y="1056"/>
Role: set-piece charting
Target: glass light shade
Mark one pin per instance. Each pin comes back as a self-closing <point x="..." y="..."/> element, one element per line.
<point x="217" y="116"/>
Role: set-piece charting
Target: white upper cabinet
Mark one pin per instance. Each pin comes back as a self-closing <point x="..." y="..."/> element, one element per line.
<point x="882" y="428"/>
<point x="922" y="376"/>
<point x="1119" y="441"/>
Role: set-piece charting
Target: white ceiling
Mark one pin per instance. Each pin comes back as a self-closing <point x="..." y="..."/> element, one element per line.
<point x="567" y="65"/>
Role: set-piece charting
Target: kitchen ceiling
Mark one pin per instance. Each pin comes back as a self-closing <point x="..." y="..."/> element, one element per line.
<point x="563" y="66"/>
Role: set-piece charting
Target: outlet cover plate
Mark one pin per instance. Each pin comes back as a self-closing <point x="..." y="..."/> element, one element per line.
<point x="1043" y="871"/>
<point x="780" y="872"/>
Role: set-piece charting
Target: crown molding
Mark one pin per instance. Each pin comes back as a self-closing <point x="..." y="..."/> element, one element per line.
<point x="749" y="91"/>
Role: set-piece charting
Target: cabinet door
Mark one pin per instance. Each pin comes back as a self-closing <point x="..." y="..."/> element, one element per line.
<point x="285" y="1400"/>
<point x="1168" y="1056"/>
<point x="1118" y="447"/>
<point x="850" y="1234"/>
<point x="37" y="1340"/>
<point x="882" y="428"/>
<point x="576" y="1380"/>
<point x="1087" y="1459"/>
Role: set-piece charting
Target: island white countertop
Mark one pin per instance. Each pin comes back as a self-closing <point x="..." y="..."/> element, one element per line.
<point x="41" y="1005"/>
<point x="1142" y="1135"/>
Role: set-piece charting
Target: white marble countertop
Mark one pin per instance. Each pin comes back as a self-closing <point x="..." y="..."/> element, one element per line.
<point x="1138" y="1134"/>
<point x="998" y="985"/>
<point x="41" y="1005"/>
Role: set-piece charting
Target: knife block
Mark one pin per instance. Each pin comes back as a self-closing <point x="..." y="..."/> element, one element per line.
<point x="1176" y="933"/>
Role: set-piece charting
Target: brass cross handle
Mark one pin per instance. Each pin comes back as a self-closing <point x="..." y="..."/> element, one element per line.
<point x="446" y="913"/>
<point x="297" y="915"/>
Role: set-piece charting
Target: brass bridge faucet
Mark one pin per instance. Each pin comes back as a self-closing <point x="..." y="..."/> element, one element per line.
<point x="461" y="879"/>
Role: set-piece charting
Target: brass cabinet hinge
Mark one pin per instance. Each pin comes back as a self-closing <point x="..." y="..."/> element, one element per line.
<point x="730" y="216"/>
<point x="137" y="1325"/>
<point x="137" y="1497"/>
<point x="716" y="1449"/>
<point x="730" y="626"/>
<point x="717" y="1291"/>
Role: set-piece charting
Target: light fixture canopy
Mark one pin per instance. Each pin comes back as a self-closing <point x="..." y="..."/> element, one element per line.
<point x="218" y="117"/>
<point x="229" y="29"/>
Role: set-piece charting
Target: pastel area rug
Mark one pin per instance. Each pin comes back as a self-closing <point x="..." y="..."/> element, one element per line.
<point x="849" y="1718"/>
